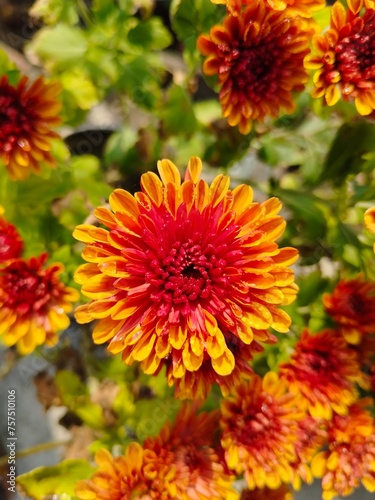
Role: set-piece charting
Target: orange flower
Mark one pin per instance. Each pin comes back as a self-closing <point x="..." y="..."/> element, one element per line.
<point x="27" y="115"/>
<point x="11" y="243"/>
<point x="183" y="269"/>
<point x="304" y="8"/>
<point x="369" y="219"/>
<point x="179" y="463"/>
<point x="323" y="369"/>
<point x="33" y="303"/>
<point x="341" y="57"/>
<point x="352" y="306"/>
<point x="259" y="431"/>
<point x="282" y="493"/>
<point x="350" y="458"/>
<point x="258" y="58"/>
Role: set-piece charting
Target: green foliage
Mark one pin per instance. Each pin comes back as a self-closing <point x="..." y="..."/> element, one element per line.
<point x="60" y="479"/>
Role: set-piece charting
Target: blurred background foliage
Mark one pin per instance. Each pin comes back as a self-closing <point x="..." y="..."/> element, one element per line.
<point x="133" y="92"/>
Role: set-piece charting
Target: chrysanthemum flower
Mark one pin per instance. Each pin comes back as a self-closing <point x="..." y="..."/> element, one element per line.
<point x="304" y="8"/>
<point x="11" y="243"/>
<point x="282" y="493"/>
<point x="179" y="463"/>
<point x="350" y="458"/>
<point x="257" y="56"/>
<point x="33" y="303"/>
<point x="323" y="369"/>
<point x="183" y="269"/>
<point x="27" y="116"/>
<point x="200" y="474"/>
<point x="259" y="430"/>
<point x="352" y="306"/>
<point x="370" y="220"/>
<point x="342" y="57"/>
<point x="311" y="438"/>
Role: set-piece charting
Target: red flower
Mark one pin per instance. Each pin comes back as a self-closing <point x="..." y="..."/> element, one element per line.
<point x="343" y="57"/>
<point x="323" y="369"/>
<point x="259" y="431"/>
<point x="11" y="243"/>
<point x="26" y="118"/>
<point x="257" y="56"/>
<point x="188" y="276"/>
<point x="281" y="493"/>
<point x="33" y="303"/>
<point x="350" y="458"/>
<point x="352" y="306"/>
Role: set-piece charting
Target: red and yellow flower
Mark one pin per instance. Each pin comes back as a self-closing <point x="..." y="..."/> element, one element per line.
<point x="350" y="458"/>
<point x="323" y="369"/>
<point x="352" y="306"/>
<point x="33" y="303"/>
<point x="369" y="219"/>
<point x="257" y="55"/>
<point x="342" y="57"/>
<point x="28" y="115"/>
<point x="259" y="431"/>
<point x="179" y="463"/>
<point x="11" y="243"/>
<point x="304" y="8"/>
<point x="183" y="271"/>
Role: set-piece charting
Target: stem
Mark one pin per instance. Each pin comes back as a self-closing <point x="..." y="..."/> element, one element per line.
<point x="35" y="449"/>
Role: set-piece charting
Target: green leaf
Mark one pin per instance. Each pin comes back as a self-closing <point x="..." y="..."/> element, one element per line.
<point x="60" y="46"/>
<point x="178" y="115"/>
<point x="311" y="288"/>
<point x="61" y="479"/>
<point x="150" y="35"/>
<point x="345" y="157"/>
<point x="80" y="87"/>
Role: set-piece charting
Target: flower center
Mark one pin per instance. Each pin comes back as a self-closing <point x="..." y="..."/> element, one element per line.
<point x="184" y="275"/>
<point x="16" y="120"/>
<point x="355" y="54"/>
<point x="25" y="291"/>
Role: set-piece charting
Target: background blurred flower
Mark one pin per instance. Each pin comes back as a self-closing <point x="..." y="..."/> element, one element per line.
<point x="257" y="56"/>
<point x="27" y="116"/>
<point x="33" y="303"/>
<point x="323" y="369"/>
<point x="369" y="219"/>
<point x="304" y="8"/>
<point x="341" y="58"/>
<point x="259" y="431"/>
<point x="183" y="269"/>
<point x="352" y="306"/>
<point x="350" y="458"/>
<point x="11" y="243"/>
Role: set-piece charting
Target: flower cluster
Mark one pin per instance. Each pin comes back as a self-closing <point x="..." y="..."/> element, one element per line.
<point x="178" y="463"/>
<point x="188" y="276"/>
<point x="27" y="116"/>
<point x="33" y="303"/>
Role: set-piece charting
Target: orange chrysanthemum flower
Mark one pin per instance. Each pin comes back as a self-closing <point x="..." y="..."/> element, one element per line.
<point x="179" y="463"/>
<point x="184" y="270"/>
<point x="350" y="458"/>
<point x="352" y="306"/>
<point x="282" y="493"/>
<point x="257" y="56"/>
<point x="323" y="369"/>
<point x="259" y="430"/>
<point x="342" y="57"/>
<point x="304" y="8"/>
<point x="27" y="116"/>
<point x="11" y="243"/>
<point x="33" y="303"/>
<point x="369" y="219"/>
